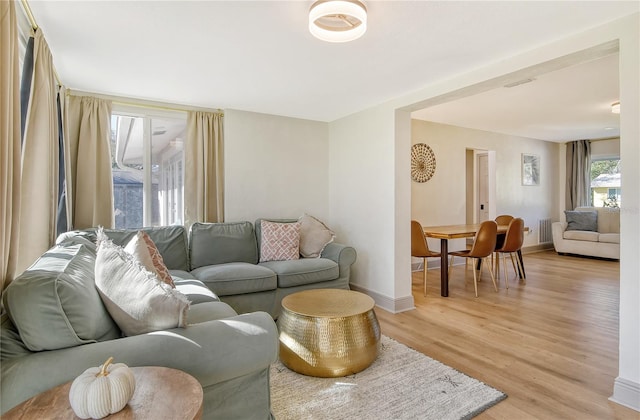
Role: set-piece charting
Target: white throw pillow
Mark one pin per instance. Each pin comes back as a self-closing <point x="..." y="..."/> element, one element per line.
<point x="137" y="300"/>
<point x="314" y="236"/>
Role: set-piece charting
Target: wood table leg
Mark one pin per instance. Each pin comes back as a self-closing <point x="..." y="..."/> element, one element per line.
<point x="444" y="268"/>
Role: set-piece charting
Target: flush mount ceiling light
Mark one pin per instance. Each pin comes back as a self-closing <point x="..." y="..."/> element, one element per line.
<point x="338" y="20"/>
<point x="615" y="107"/>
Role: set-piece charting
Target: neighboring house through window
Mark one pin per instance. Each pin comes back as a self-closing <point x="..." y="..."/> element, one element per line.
<point x="605" y="183"/>
<point x="148" y="167"/>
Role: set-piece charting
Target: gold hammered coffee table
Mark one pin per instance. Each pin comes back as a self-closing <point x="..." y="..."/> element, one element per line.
<point x="328" y="332"/>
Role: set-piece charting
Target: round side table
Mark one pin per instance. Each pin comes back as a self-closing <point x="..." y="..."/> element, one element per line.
<point x="328" y="332"/>
<point x="161" y="393"/>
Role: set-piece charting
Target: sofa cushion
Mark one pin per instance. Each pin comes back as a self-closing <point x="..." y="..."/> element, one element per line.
<point x="236" y="278"/>
<point x="581" y="235"/>
<point x="582" y="220"/>
<point x="146" y="253"/>
<point x="49" y="302"/>
<point x="608" y="220"/>
<point x="171" y="241"/>
<point x="314" y="236"/>
<point x="303" y="271"/>
<point x="279" y="241"/>
<point x="77" y="237"/>
<point x="220" y="243"/>
<point x="208" y="311"/>
<point x="195" y="291"/>
<point x="180" y="275"/>
<point x="10" y="343"/>
<point x="610" y="238"/>
<point x="138" y="301"/>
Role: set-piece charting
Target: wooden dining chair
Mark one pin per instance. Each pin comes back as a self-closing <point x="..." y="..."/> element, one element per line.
<point x="483" y="246"/>
<point x="420" y="248"/>
<point x="512" y="243"/>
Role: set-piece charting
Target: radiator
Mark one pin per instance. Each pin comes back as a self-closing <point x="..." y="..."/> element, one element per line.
<point x="544" y="231"/>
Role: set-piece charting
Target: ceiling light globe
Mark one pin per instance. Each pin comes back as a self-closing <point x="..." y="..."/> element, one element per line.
<point x="615" y="107"/>
<point x="338" y="20"/>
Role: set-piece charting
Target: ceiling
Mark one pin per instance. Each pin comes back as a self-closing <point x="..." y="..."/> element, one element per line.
<point x="259" y="56"/>
<point x="572" y="103"/>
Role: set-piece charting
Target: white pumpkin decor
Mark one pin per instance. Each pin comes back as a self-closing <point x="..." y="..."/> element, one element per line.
<point x="102" y="390"/>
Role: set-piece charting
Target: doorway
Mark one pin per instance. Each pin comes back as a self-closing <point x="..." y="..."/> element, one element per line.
<point x="480" y="185"/>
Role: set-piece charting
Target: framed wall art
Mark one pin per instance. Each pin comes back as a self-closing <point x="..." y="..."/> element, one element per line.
<point x="530" y="169"/>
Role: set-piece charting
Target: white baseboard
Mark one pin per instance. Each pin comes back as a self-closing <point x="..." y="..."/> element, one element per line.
<point x="387" y="303"/>
<point x="627" y="393"/>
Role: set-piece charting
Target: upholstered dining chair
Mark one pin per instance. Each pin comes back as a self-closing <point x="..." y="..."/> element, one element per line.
<point x="502" y="220"/>
<point x="420" y="248"/>
<point x="513" y="240"/>
<point x="483" y="246"/>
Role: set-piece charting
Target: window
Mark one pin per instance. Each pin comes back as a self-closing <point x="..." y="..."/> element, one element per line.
<point x="605" y="183"/>
<point x="148" y="169"/>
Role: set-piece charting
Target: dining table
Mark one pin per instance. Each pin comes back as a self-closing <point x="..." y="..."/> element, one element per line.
<point x="444" y="233"/>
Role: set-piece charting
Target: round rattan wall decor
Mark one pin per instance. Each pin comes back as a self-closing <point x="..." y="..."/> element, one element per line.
<point x="423" y="162"/>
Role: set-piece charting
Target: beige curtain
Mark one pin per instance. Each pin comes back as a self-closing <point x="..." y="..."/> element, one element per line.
<point x="9" y="138"/>
<point x="204" y="172"/>
<point x="578" y="187"/>
<point x="39" y="180"/>
<point x="89" y="178"/>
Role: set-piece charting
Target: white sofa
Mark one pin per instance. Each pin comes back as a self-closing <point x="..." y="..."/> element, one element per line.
<point x="603" y="243"/>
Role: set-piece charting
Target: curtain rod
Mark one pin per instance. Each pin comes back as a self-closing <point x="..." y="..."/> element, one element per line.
<point x="161" y="107"/>
<point x="118" y="100"/>
<point x="29" y="13"/>
<point x="35" y="27"/>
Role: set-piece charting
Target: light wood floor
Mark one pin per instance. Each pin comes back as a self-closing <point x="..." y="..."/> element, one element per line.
<point x="551" y="345"/>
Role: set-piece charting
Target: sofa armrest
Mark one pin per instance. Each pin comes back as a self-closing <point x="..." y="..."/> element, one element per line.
<point x="343" y="255"/>
<point x="557" y="231"/>
<point x="212" y="351"/>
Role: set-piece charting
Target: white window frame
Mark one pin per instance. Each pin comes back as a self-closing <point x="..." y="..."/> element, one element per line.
<point x="148" y="114"/>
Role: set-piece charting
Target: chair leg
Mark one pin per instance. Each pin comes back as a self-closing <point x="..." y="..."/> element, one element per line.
<point x="524" y="276"/>
<point x="450" y="266"/>
<point x="504" y="265"/>
<point x="424" y="269"/>
<point x="493" y="279"/>
<point x="475" y="280"/>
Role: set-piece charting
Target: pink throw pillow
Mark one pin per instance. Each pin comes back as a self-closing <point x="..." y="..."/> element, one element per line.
<point x="146" y="253"/>
<point x="279" y="241"/>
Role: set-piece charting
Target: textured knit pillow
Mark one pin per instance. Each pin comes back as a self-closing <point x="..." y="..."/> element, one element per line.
<point x="582" y="220"/>
<point x="314" y="236"/>
<point x="280" y="241"/>
<point x="135" y="297"/>
<point x="146" y="253"/>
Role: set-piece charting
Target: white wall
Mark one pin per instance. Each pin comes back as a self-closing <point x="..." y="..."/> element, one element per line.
<point x="442" y="201"/>
<point x="379" y="231"/>
<point x="362" y="190"/>
<point x="275" y="167"/>
<point x="605" y="149"/>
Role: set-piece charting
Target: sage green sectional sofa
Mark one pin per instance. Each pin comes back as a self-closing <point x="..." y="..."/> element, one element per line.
<point x="56" y="326"/>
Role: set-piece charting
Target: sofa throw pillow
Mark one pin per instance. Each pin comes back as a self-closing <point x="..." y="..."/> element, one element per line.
<point x="314" y="236"/>
<point x="135" y="297"/>
<point x="582" y="220"/>
<point x="279" y="241"/>
<point x="146" y="253"/>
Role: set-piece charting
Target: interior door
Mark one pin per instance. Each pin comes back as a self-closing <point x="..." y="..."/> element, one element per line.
<point x="483" y="187"/>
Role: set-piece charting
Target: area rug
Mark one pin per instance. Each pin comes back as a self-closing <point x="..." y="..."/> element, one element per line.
<point x="401" y="384"/>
